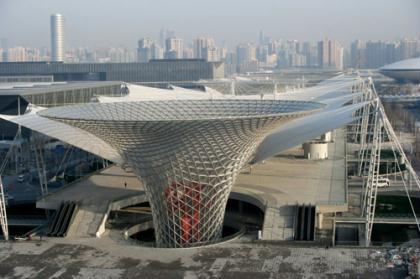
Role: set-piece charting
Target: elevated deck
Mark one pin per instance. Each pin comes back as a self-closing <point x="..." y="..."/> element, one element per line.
<point x="289" y="179"/>
<point x="94" y="195"/>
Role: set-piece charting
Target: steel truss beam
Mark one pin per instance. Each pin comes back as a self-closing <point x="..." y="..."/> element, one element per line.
<point x="377" y="129"/>
<point x="3" y="215"/>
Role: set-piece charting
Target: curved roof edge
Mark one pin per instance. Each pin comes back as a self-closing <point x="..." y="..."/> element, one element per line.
<point x="67" y="134"/>
<point x="408" y="64"/>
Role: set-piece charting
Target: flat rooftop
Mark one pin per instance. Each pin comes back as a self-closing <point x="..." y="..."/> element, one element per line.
<point x="289" y="178"/>
<point x="36" y="88"/>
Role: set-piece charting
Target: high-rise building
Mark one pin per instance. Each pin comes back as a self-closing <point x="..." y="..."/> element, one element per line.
<point x="323" y="53"/>
<point x="162" y="37"/>
<point x="391" y="53"/>
<point x="264" y="57"/>
<point x="188" y="53"/>
<point x="230" y="64"/>
<point x="57" y="37"/>
<point x="22" y="54"/>
<point x="147" y="50"/>
<point x="3" y="49"/>
<point x="246" y="58"/>
<point x="223" y="51"/>
<point x="16" y="54"/>
<point x="408" y="49"/>
<point x="144" y="50"/>
<point x="330" y="55"/>
<point x="261" y="37"/>
<point x="212" y="54"/>
<point x="174" y="48"/>
<point x="157" y="52"/>
<point x="262" y="53"/>
<point x="273" y="48"/>
<point x="357" y="54"/>
<point x="309" y="50"/>
<point x="375" y="54"/>
<point x="121" y="55"/>
<point x="201" y="46"/>
<point x="297" y="60"/>
<point x="245" y="53"/>
<point x="145" y="43"/>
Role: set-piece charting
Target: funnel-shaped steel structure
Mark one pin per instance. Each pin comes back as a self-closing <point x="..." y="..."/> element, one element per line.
<point x="188" y="153"/>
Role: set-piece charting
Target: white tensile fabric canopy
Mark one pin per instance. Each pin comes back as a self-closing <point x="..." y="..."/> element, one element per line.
<point x="334" y="93"/>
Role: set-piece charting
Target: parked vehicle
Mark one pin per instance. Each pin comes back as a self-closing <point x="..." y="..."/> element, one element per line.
<point x="383" y="183"/>
<point x="21" y="178"/>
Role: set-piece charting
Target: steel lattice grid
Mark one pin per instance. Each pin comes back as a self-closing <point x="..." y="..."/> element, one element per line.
<point x="187" y="153"/>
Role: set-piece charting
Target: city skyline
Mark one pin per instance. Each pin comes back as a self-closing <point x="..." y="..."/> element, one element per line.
<point x="325" y="18"/>
<point x="191" y="44"/>
<point x="246" y="57"/>
<point x="265" y="50"/>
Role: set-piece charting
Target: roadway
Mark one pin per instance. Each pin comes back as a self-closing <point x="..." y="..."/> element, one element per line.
<point x="396" y="188"/>
<point x="402" y="220"/>
<point x="401" y="98"/>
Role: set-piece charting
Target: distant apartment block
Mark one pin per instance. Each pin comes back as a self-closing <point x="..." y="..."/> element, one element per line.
<point x="174" y="48"/>
<point x="330" y="55"/>
<point x="375" y="54"/>
<point x="148" y="50"/>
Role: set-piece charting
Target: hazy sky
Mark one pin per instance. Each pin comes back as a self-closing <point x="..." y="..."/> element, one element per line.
<point x="112" y="23"/>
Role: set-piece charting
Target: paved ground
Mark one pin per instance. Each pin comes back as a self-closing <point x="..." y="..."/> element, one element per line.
<point x="58" y="260"/>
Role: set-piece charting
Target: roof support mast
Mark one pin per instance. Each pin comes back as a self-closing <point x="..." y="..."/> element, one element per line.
<point x="377" y="130"/>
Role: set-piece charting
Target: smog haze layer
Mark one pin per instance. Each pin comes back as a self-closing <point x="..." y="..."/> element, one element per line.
<point x="96" y="23"/>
